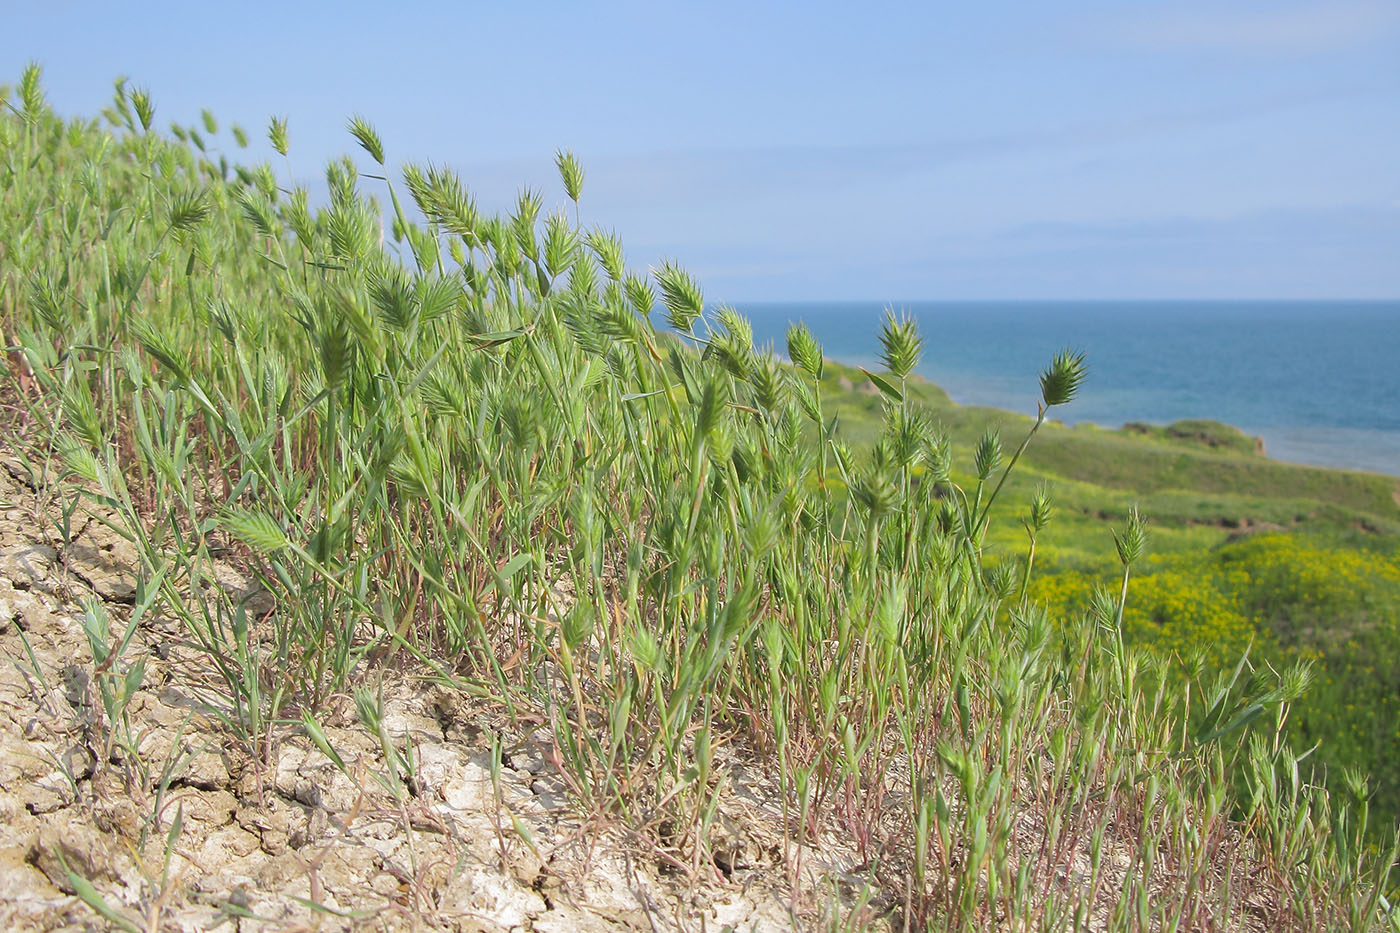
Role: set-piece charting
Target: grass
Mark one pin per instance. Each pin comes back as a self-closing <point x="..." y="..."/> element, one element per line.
<point x="1300" y="561"/>
<point x="453" y="443"/>
<point x="1209" y="434"/>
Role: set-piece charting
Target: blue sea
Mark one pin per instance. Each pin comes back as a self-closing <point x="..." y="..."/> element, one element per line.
<point x="1319" y="381"/>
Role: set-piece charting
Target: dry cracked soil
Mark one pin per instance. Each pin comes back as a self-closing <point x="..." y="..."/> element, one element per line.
<point x="194" y="832"/>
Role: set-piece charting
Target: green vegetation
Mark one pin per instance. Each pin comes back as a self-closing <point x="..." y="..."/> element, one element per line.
<point x="458" y="447"/>
<point x="1209" y="434"/>
<point x="1301" y="563"/>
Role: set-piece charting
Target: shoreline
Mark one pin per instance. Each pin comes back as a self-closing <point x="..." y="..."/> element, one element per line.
<point x="1312" y="377"/>
<point x="1299" y="445"/>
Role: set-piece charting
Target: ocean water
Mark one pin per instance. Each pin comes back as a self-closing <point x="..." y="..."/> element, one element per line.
<point x="1319" y="381"/>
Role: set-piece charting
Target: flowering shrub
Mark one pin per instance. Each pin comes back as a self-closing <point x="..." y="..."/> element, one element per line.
<point x="1294" y="597"/>
<point x="1180" y="608"/>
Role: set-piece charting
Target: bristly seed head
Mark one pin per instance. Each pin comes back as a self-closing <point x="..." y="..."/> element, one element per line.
<point x="31" y="92"/>
<point x="571" y="173"/>
<point x="639" y="294"/>
<point x="988" y="453"/>
<point x="1132" y="544"/>
<point x="145" y="110"/>
<point x="368" y="139"/>
<point x="901" y="345"/>
<point x="1060" y="382"/>
<point x="276" y="133"/>
<point x="681" y="295"/>
<point x="1040" y="509"/>
<point x="939" y="457"/>
<point x="804" y="351"/>
<point x="607" y="246"/>
<point x="188" y="210"/>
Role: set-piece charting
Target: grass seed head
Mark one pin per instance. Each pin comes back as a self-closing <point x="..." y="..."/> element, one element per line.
<point x="570" y="172"/>
<point x="1062" y="379"/>
<point x="988" y="453"/>
<point x="277" y="134"/>
<point x="1132" y="543"/>
<point x="900" y="344"/>
<point x="368" y="139"/>
<point x="804" y="351"/>
<point x="681" y="295"/>
<point x="31" y="92"/>
<point x="1040" y="508"/>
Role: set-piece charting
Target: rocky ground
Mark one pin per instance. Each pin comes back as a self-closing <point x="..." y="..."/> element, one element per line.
<point x="196" y="832"/>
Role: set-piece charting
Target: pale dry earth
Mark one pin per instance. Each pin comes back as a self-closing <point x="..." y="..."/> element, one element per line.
<point x="284" y="840"/>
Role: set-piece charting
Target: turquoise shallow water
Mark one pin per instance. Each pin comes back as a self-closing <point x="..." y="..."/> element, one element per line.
<point x="1318" y="380"/>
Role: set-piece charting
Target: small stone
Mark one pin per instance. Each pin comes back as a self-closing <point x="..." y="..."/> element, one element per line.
<point x="86" y="851"/>
<point x="348" y="868"/>
<point x="207" y="771"/>
<point x="275" y="841"/>
<point x="77" y="762"/>
<point x="39" y="799"/>
<point x="28" y="564"/>
<point x="75" y="685"/>
<point x="106" y="561"/>
<point x="211" y="808"/>
<point x="25" y="886"/>
<point x="277" y="871"/>
<point x="307" y="793"/>
<point x="247" y="786"/>
<point x="526" y="866"/>
<point x="385" y="885"/>
<point x="549" y="797"/>
<point x="463" y="785"/>
<point x="231" y="840"/>
<point x="119" y="816"/>
<point x="27" y="609"/>
<point x="317" y="825"/>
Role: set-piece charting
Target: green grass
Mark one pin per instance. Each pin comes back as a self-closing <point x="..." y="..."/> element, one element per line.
<point x="453" y="442"/>
<point x="1210" y="434"/>
<point x="1211" y="501"/>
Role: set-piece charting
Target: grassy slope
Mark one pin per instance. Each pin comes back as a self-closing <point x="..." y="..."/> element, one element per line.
<point x="416" y="446"/>
<point x="1329" y="590"/>
<point x="1195" y="495"/>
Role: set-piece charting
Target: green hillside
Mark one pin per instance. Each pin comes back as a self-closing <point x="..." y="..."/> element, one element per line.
<point x="1300" y="562"/>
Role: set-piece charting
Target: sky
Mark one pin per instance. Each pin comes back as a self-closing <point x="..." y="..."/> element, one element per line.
<point x="827" y="151"/>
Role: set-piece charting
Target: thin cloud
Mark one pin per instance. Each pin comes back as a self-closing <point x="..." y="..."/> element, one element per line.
<point x="730" y="174"/>
<point x="1300" y="28"/>
<point x="1341" y="252"/>
<point x="1350" y="222"/>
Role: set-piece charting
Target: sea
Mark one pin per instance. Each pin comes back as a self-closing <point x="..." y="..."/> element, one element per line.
<point x="1319" y="381"/>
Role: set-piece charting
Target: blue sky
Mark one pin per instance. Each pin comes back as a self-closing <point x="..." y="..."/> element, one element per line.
<point x="888" y="151"/>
